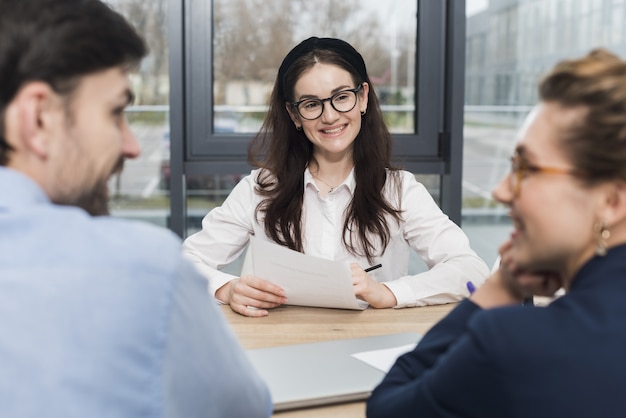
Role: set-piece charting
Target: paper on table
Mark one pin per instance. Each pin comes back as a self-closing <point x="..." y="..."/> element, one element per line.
<point x="385" y="358"/>
<point x="307" y="281"/>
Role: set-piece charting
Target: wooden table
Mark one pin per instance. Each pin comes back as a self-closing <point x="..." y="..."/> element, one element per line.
<point x="296" y="325"/>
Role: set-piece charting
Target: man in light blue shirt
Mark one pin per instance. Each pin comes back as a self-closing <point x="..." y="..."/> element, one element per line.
<point x="100" y="317"/>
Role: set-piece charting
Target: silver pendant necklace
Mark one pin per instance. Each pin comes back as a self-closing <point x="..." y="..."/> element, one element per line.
<point x="331" y="188"/>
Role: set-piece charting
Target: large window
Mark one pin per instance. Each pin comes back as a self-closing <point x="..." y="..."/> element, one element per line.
<point x="509" y="45"/>
<point x="237" y="45"/>
<point x="224" y="54"/>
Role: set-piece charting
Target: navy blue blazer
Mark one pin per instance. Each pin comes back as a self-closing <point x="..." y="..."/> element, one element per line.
<point x="564" y="360"/>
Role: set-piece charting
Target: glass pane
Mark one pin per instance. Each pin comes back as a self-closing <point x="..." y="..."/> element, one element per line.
<point x="509" y="45"/>
<point x="140" y="192"/>
<point x="251" y="37"/>
<point x="208" y="192"/>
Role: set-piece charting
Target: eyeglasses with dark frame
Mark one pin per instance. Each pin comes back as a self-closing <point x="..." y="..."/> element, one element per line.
<point x="520" y="169"/>
<point x="342" y="101"/>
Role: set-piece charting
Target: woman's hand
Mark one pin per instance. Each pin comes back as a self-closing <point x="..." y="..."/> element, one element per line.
<point x="376" y="294"/>
<point x="251" y="296"/>
<point x="511" y="285"/>
<point x="527" y="283"/>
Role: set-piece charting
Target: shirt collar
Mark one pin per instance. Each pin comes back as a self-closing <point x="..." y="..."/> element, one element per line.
<point x="348" y="183"/>
<point x="16" y="189"/>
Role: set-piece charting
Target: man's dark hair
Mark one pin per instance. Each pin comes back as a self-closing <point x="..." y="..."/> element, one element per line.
<point x="58" y="42"/>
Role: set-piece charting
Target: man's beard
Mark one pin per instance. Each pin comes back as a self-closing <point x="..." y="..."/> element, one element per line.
<point x="96" y="200"/>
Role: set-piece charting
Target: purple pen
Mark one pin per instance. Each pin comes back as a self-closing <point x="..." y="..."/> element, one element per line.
<point x="470" y="287"/>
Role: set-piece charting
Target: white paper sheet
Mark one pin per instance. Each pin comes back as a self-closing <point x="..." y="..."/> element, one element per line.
<point x="307" y="281"/>
<point x="385" y="358"/>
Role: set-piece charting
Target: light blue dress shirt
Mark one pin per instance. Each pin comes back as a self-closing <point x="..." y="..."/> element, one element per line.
<point x="101" y="317"/>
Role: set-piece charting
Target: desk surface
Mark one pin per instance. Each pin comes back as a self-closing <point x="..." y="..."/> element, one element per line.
<point x="297" y="325"/>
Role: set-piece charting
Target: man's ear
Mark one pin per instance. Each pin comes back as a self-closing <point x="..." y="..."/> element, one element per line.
<point x="35" y="113"/>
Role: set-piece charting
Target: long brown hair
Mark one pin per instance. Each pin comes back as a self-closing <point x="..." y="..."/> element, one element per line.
<point x="283" y="152"/>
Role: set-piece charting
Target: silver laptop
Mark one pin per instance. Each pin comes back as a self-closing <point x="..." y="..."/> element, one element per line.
<point x="314" y="374"/>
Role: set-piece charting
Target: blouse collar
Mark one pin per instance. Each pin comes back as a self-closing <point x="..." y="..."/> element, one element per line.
<point x="348" y="183"/>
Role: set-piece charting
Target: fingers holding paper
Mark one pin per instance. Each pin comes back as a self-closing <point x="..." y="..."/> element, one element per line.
<point x="251" y="296"/>
<point x="365" y="287"/>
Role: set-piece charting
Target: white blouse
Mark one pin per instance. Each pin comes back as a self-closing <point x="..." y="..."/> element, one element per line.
<point x="441" y="244"/>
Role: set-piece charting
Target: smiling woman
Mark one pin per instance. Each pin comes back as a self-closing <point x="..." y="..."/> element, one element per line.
<point x="331" y="129"/>
<point x="567" y="197"/>
<point x="324" y="185"/>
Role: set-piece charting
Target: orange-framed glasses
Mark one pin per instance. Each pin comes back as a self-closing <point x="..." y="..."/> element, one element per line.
<point x="520" y="169"/>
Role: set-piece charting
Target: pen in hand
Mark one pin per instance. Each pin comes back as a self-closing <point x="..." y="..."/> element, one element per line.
<point x="373" y="268"/>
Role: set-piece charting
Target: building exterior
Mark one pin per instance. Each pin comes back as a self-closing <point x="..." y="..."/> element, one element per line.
<point x="512" y="42"/>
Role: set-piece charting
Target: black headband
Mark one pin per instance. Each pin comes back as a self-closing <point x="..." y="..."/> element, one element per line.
<point x="342" y="48"/>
